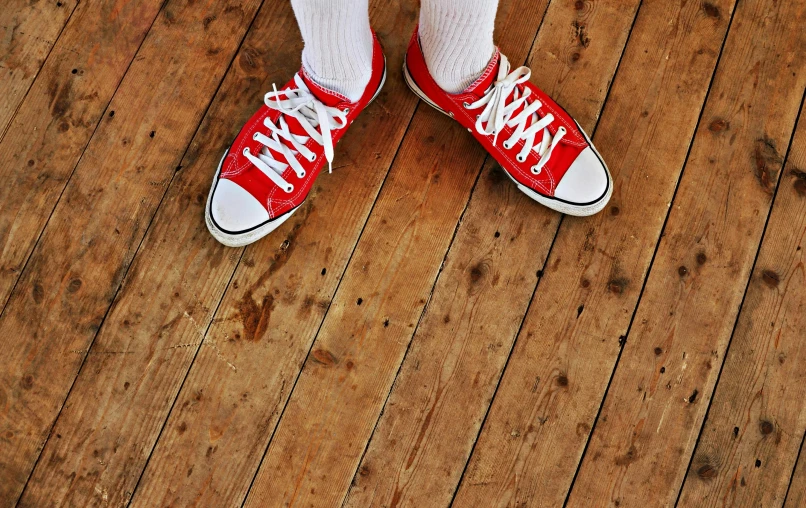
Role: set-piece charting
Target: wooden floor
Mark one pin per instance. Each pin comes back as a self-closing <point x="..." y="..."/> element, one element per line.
<point x="420" y="333"/>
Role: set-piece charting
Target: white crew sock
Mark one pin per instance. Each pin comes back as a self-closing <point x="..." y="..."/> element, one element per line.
<point x="338" y="43"/>
<point x="457" y="40"/>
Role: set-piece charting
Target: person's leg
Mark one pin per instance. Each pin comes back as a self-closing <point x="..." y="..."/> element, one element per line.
<point x="457" y="40"/>
<point x="338" y="43"/>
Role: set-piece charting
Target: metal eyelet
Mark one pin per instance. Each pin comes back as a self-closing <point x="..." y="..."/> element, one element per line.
<point x="246" y="151"/>
<point x="289" y="189"/>
<point x="562" y="129"/>
<point x="520" y="158"/>
<point x="466" y="105"/>
<point x="346" y="111"/>
<point x="311" y="158"/>
<point x="302" y="175"/>
<point x="536" y="170"/>
<point x="506" y="145"/>
<point x="254" y="136"/>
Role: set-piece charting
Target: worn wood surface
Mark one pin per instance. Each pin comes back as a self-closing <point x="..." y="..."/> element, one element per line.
<point x="466" y="334"/>
<point x="570" y="340"/>
<point x="667" y="370"/>
<point x="753" y="431"/>
<point x="419" y="334"/>
<point x="57" y="118"/>
<point x="216" y="435"/>
<point x="73" y="273"/>
<point x="28" y="30"/>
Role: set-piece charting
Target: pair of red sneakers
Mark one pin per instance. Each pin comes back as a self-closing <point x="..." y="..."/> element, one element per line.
<point x="270" y="168"/>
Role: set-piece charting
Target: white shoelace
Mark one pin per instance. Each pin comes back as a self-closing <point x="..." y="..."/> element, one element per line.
<point x="300" y="104"/>
<point x="498" y="114"/>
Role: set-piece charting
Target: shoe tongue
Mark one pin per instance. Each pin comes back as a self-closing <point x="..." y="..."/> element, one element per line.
<point x="325" y="96"/>
<point x="487" y="77"/>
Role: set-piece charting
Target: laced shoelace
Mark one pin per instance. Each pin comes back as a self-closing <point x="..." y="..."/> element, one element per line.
<point x="498" y="113"/>
<point x="300" y="104"/>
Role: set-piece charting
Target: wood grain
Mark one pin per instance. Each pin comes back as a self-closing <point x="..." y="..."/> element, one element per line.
<point x="456" y="357"/>
<point x="753" y="431"/>
<point x="224" y="416"/>
<point x="346" y="378"/>
<point x="57" y="119"/>
<point x="28" y="31"/>
<point x="71" y="278"/>
<point x="538" y="424"/>
<point x="668" y="368"/>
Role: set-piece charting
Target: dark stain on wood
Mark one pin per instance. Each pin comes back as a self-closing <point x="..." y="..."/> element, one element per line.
<point x="711" y="10"/>
<point x="693" y="397"/>
<point x="628" y="458"/>
<point x="766" y="427"/>
<point x="323" y="357"/>
<point x="706" y="472"/>
<point x="254" y="316"/>
<point x="770" y="278"/>
<point x="718" y="125"/>
<point x="618" y="285"/>
<point x="701" y="258"/>
<point x="767" y="160"/>
<point x="800" y="182"/>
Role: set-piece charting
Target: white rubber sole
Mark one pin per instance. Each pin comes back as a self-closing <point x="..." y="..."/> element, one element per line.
<point x="247" y="237"/>
<point x="555" y="204"/>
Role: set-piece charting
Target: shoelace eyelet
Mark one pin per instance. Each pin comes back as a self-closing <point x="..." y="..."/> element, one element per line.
<point x="346" y="111"/>
<point x="246" y="151"/>
<point x="507" y="145"/>
<point x="254" y="136"/>
<point x="520" y="158"/>
<point x="536" y="170"/>
<point x="289" y="189"/>
<point x="302" y="175"/>
<point x="466" y="105"/>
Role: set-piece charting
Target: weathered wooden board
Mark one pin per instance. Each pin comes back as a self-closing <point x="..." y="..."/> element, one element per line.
<point x="461" y="345"/>
<point x="341" y="390"/>
<point x="224" y="416"/>
<point x="753" y="430"/>
<point x="539" y="421"/>
<point x="57" y="119"/>
<point x="28" y="31"/>
<point x="71" y="278"/>
<point x="643" y="440"/>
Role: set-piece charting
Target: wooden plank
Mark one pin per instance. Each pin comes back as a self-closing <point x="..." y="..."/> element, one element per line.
<point x="28" y="31"/>
<point x="461" y="345"/>
<point x="546" y="402"/>
<point x="57" y="119"/>
<point x="754" y="427"/>
<point x="120" y="401"/>
<point x="217" y="432"/>
<point x="66" y="289"/>
<point x="393" y="268"/>
<point x="670" y="363"/>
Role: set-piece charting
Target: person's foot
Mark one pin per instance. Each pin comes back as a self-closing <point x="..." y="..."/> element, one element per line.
<point x="537" y="143"/>
<point x="270" y="168"/>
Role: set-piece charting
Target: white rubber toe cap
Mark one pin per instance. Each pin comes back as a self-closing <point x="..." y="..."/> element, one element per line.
<point x="586" y="180"/>
<point x="234" y="209"/>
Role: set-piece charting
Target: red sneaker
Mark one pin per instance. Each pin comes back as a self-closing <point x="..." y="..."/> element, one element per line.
<point x="270" y="168"/>
<point x="537" y="143"/>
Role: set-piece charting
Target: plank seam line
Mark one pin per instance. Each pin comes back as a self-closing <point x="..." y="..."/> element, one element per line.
<point x="142" y="239"/>
<point x="38" y="71"/>
<point x="335" y="292"/>
<point x="741" y="305"/>
<point x="654" y="253"/>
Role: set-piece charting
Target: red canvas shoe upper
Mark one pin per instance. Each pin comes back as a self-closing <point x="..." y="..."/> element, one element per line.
<point x="533" y="139"/>
<point x="272" y="164"/>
